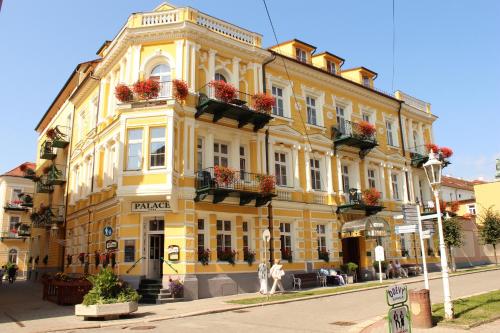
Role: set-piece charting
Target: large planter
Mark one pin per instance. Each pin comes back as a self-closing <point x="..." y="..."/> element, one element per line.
<point x="106" y="311"/>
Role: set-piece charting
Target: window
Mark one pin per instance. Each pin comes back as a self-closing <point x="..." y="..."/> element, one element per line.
<point x="156" y="225"/>
<point x="395" y="187"/>
<point x="246" y="239"/>
<point x="366" y="81"/>
<point x="243" y="163"/>
<point x="330" y="67"/>
<point x="390" y="134"/>
<point x="13" y="256"/>
<point x="220" y="77"/>
<point x="315" y="174"/>
<point x="415" y="141"/>
<point x="404" y="248"/>
<point x="14" y="222"/>
<point x="341" y="121"/>
<point x="201" y="237"/>
<point x="301" y="55"/>
<point x="345" y="179"/>
<point x="134" y="153"/>
<point x="157" y="147"/>
<point x="278" y="108"/>
<point x="280" y="168"/>
<point x="129" y="249"/>
<point x="286" y="240"/>
<point x="161" y="73"/>
<point x="199" y="154"/>
<point x="15" y="194"/>
<point x="221" y="154"/>
<point x="371" y="178"/>
<point x="223" y="236"/>
<point x="311" y="110"/>
<point x="111" y="166"/>
<point x="366" y="117"/>
<point x="320" y="230"/>
<point x="472" y="209"/>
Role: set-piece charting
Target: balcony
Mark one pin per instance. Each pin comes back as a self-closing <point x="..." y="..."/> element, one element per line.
<point x="48" y="216"/>
<point x="223" y="182"/>
<point x="42" y="185"/>
<point x="235" y="108"/>
<point x="362" y="136"/>
<point x="55" y="174"/>
<point x="418" y="159"/>
<point x="356" y="202"/>
<point x="47" y="151"/>
<point x="15" y="206"/>
<point x="147" y="92"/>
<point x="59" y="136"/>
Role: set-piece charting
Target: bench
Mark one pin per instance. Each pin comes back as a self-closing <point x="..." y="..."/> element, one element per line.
<point x="412" y="269"/>
<point x="301" y="279"/>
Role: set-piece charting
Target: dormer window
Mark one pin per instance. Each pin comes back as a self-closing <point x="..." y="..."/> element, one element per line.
<point x="301" y="55"/>
<point x="330" y="67"/>
<point x="366" y="81"/>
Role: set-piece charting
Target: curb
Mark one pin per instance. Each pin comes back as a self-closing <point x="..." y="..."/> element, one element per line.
<point x="247" y="306"/>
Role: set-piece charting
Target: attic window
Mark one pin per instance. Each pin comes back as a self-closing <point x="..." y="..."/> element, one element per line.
<point x="301" y="55"/>
<point x="330" y="67"/>
<point x="366" y="81"/>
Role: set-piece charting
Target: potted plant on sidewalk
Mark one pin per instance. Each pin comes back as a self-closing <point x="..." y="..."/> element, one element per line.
<point x="109" y="297"/>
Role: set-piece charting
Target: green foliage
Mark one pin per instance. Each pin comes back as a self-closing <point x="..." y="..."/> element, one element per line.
<point x="383" y="264"/>
<point x="490" y="229"/>
<point x="108" y="289"/>
<point x="452" y="230"/>
<point x="349" y="268"/>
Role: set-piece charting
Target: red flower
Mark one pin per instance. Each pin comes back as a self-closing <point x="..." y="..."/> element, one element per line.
<point x="147" y="89"/>
<point x="224" y="91"/>
<point x="431" y="147"/>
<point x="181" y="90"/>
<point x="371" y="196"/>
<point x="223" y="175"/>
<point x="267" y="184"/>
<point x="366" y="128"/>
<point x="123" y="93"/>
<point x="51" y="133"/>
<point x="446" y="152"/>
<point x="263" y="102"/>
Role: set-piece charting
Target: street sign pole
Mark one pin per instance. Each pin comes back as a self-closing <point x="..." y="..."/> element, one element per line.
<point x="424" y="260"/>
<point x="266" y="236"/>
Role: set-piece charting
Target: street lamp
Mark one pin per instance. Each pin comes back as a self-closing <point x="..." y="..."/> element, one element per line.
<point x="433" y="169"/>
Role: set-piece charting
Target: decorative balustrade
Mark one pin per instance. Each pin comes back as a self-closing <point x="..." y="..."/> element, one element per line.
<point x="55" y="174"/>
<point x="226" y="29"/>
<point x="284" y="195"/>
<point x="166" y="17"/>
<point x="320" y="198"/>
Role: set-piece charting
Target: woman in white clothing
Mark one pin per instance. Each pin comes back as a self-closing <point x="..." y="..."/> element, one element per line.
<point x="277" y="273"/>
<point x="263" y="278"/>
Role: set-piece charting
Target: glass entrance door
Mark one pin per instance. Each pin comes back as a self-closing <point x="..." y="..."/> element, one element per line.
<point x="155" y="250"/>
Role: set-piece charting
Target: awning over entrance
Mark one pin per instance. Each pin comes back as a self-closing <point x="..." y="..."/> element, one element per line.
<point x="371" y="226"/>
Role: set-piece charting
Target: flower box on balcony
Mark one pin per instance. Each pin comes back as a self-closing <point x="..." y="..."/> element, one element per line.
<point x="26" y="199"/>
<point x="55" y="176"/>
<point x="58" y="137"/>
<point x="227" y="255"/>
<point x="47" y="151"/>
<point x="28" y="173"/>
<point x="43" y="187"/>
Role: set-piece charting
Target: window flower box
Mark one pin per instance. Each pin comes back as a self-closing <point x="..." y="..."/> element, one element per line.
<point x="263" y="102"/>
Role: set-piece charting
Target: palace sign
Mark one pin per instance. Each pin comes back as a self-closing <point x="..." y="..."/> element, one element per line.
<point x="150" y="206"/>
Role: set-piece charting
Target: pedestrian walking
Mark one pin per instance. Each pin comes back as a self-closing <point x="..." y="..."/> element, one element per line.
<point x="277" y="273"/>
<point x="12" y="273"/>
<point x="263" y="278"/>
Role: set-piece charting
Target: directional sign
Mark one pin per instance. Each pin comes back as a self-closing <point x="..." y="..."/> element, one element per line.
<point x="107" y="231"/>
<point x="379" y="253"/>
<point x="396" y="294"/>
<point x="399" y="320"/>
<point x="410" y="214"/>
<point x="406" y="229"/>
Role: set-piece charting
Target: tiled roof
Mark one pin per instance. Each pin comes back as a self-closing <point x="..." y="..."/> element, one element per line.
<point x="458" y="183"/>
<point x="16" y="172"/>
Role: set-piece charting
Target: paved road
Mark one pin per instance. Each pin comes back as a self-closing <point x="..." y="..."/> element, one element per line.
<point x="330" y="314"/>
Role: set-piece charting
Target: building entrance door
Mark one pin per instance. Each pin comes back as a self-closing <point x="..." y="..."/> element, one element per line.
<point x="350" y="250"/>
<point x="155" y="250"/>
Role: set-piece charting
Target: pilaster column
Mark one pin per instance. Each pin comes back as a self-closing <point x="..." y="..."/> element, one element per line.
<point x="211" y="65"/>
<point x="411" y="143"/>
<point x="308" y="169"/>
<point x="382" y="181"/>
<point x="389" y="172"/>
<point x="234" y="157"/>
<point x="236" y="73"/>
<point x="339" y="175"/>
<point x="329" y="176"/>
<point x="179" y="68"/>
<point x="136" y="63"/>
<point x="406" y="199"/>
<point x="209" y="150"/>
<point x="189" y="146"/>
<point x="295" y="164"/>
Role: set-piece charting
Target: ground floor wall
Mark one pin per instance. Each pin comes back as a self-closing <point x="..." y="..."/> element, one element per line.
<point x="16" y="251"/>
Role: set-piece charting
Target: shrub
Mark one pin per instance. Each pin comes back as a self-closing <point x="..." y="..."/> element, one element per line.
<point x="181" y="90"/>
<point x="224" y="91"/>
<point x="263" y="102"/>
<point x="147" y="89"/>
<point x="108" y="289"/>
<point x="383" y="264"/>
<point x="249" y="256"/>
<point x="324" y="255"/>
<point x="176" y="288"/>
<point x="123" y="93"/>
<point x="349" y="268"/>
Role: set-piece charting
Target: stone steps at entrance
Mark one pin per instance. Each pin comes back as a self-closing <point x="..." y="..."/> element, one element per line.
<point x="152" y="292"/>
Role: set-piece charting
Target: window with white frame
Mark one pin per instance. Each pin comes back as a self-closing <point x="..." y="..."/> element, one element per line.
<point x="395" y="186"/>
<point x="345" y="179"/>
<point x="472" y="209"/>
<point x="134" y="151"/>
<point x="246" y="238"/>
<point x="243" y="162"/>
<point x="14" y="222"/>
<point x="280" y="168"/>
<point x="315" y="174"/>
<point x="82" y="124"/>
<point x="341" y="119"/>
<point x="13" y="256"/>
<point x="366" y="117"/>
<point x="330" y="67"/>
<point x="311" y="110"/>
<point x="110" y="166"/>
<point x="372" y="181"/>
<point x="220" y="77"/>
<point x="199" y="153"/>
<point x="390" y="133"/>
<point x="321" y="232"/>
<point x="161" y="73"/>
<point x="366" y="81"/>
<point x="201" y="237"/>
<point x="301" y="55"/>
<point x="279" y="107"/>
<point x="15" y="194"/>
<point x="157" y="147"/>
<point x="224" y="237"/>
<point x="221" y="154"/>
<point x="286" y="240"/>
<point x="421" y="190"/>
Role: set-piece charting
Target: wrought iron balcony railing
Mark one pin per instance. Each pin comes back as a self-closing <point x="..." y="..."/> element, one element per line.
<point x="221" y="181"/>
<point x="47" y="216"/>
<point x="47" y="150"/>
<point x="59" y="136"/>
<point x="237" y="108"/>
<point x="353" y="134"/>
<point x="43" y="186"/>
<point x="355" y="201"/>
<point x="164" y="92"/>
<point x="55" y="174"/>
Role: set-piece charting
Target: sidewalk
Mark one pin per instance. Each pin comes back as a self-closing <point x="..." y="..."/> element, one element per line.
<point x="382" y="327"/>
<point x="22" y="309"/>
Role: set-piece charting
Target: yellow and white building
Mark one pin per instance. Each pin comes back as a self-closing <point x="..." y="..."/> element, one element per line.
<point x="144" y="170"/>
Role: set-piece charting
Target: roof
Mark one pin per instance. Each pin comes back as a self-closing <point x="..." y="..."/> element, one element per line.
<point x="342" y="60"/>
<point x="362" y="69"/>
<point x="17" y="172"/>
<point x="294" y="41"/>
<point x="457" y="183"/>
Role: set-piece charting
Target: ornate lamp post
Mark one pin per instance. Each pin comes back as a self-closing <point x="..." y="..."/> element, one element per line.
<point x="433" y="169"/>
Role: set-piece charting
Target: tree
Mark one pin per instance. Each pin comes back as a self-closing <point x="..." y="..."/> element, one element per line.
<point x="489" y="231"/>
<point x="453" y="237"/>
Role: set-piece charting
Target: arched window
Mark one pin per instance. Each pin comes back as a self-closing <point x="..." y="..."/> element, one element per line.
<point x="13" y="256"/>
<point x="220" y="77"/>
<point x="161" y="73"/>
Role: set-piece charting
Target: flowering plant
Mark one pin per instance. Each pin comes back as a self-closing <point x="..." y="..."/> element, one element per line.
<point x="51" y="133"/>
<point x="263" y="102"/>
<point x="204" y="256"/>
<point x="181" y="90"/>
<point x="286" y="254"/>
<point x="366" y="128"/>
<point x="223" y="175"/>
<point x="123" y="93"/>
<point x="432" y="147"/>
<point x="227" y="255"/>
<point x="446" y="152"/>
<point x="224" y="91"/>
<point x="371" y="196"/>
<point x="176" y="288"/>
<point x="267" y="184"/>
<point x="147" y="89"/>
<point x="249" y="256"/>
<point x="324" y="255"/>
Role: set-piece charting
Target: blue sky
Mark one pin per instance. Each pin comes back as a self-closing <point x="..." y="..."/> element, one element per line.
<point x="447" y="53"/>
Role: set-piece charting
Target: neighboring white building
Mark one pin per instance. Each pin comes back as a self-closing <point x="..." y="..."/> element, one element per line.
<point x="456" y="189"/>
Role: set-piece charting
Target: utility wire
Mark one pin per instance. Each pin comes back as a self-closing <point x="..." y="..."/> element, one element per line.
<point x="393" y="44"/>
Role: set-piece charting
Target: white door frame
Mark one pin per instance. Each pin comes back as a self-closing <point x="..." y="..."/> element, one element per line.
<point x="145" y="238"/>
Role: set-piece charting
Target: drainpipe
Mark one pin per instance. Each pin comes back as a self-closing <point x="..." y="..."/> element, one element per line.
<point x="270" y="206"/>
<point x="404" y="149"/>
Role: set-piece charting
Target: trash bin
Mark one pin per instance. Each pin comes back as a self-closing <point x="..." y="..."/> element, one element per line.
<point x="420" y="305"/>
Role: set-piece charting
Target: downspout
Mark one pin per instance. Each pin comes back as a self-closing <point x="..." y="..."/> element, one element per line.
<point x="404" y="149"/>
<point x="270" y="206"/>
